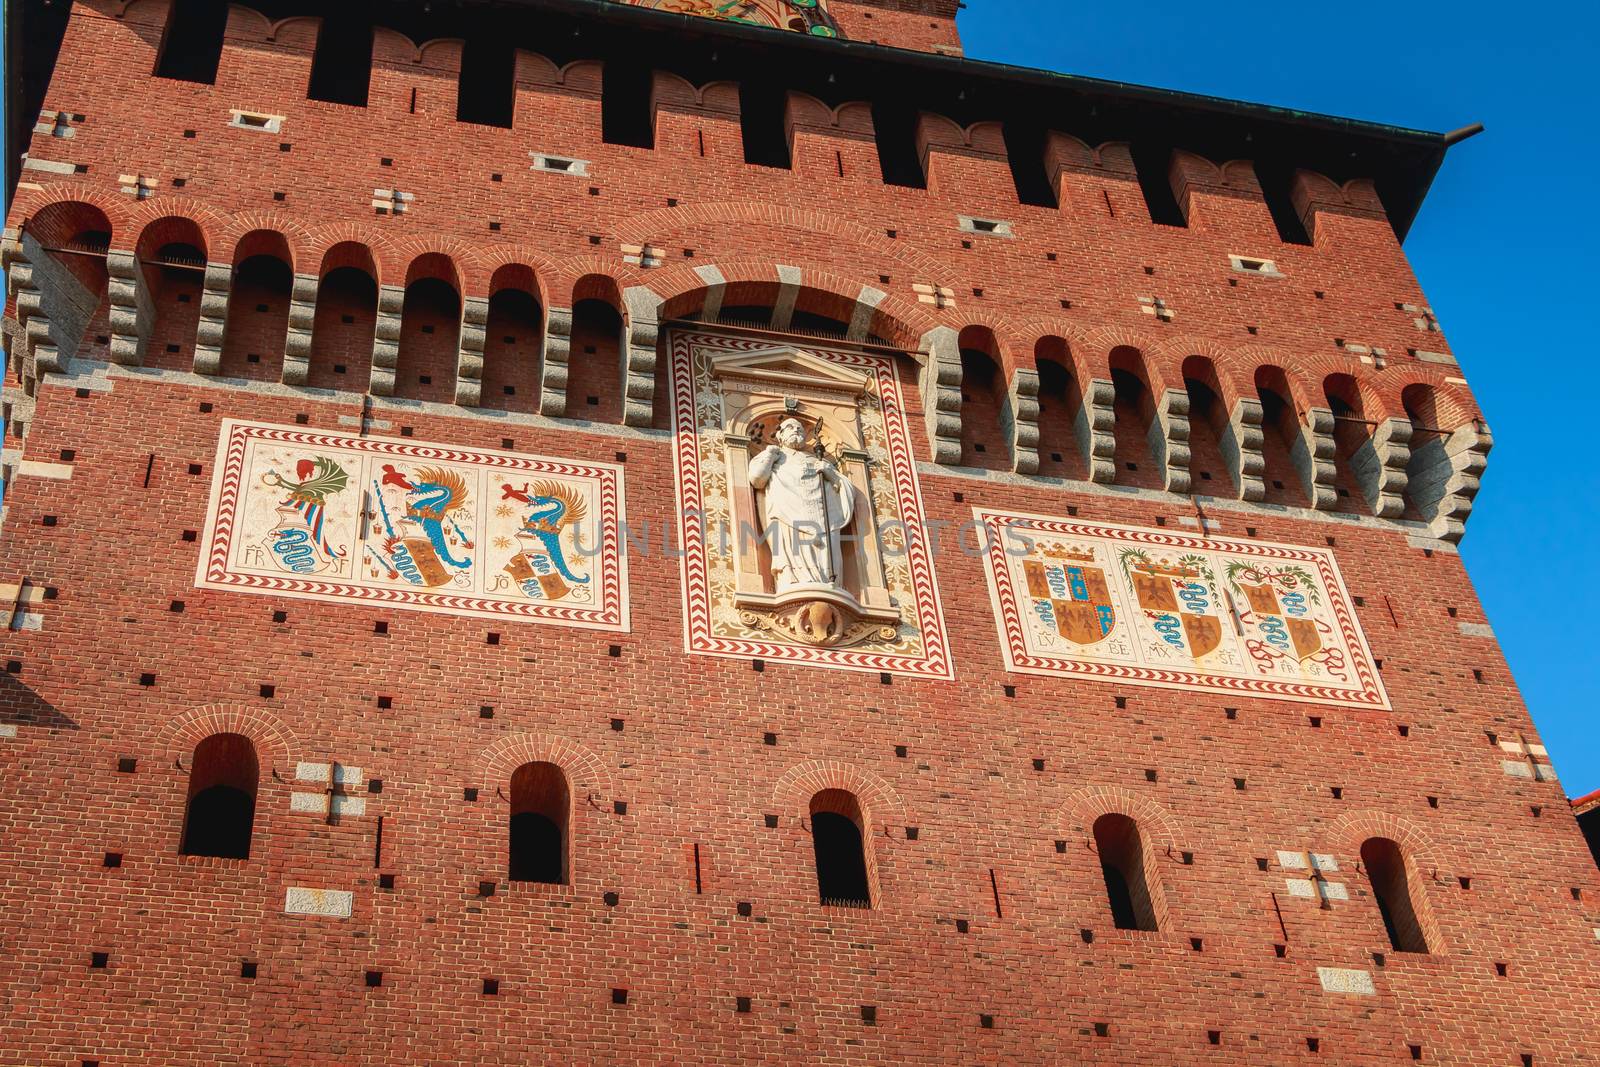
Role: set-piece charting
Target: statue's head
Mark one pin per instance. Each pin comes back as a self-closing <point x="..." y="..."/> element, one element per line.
<point x="791" y="434"/>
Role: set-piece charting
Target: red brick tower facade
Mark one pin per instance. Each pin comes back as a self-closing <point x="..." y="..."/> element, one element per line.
<point x="388" y="678"/>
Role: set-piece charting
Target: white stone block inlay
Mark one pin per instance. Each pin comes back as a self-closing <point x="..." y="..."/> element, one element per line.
<point x="1516" y="769"/>
<point x="1292" y="861"/>
<point x="7" y="730"/>
<point x="311" y="772"/>
<point x="1340" y="980"/>
<point x="1300" y="887"/>
<point x="1335" y="891"/>
<point x="317" y="803"/>
<point x="335" y="903"/>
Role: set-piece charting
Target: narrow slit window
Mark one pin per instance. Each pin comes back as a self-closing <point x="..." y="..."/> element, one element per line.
<point x="1123" y="866"/>
<point x="220" y="817"/>
<point x="1393" y="892"/>
<point x="836" y="822"/>
<point x="540" y="814"/>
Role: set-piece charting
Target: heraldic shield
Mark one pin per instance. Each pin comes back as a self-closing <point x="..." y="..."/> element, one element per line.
<point x="1176" y="598"/>
<point x="1074" y="596"/>
<point x="1283" y="620"/>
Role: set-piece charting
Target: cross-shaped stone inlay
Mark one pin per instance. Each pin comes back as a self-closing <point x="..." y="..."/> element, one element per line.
<point x="1317" y="886"/>
<point x="332" y="801"/>
<point x="1154" y="305"/>
<point x="940" y="296"/>
<point x="1422" y="317"/>
<point x="139" y="186"/>
<point x="1531" y="760"/>
<point x="391" y="201"/>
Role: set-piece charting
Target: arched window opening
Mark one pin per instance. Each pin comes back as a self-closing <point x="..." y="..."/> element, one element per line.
<point x="343" y="331"/>
<point x="540" y="813"/>
<point x="430" y="336"/>
<point x="173" y="256"/>
<point x="220" y="817"/>
<point x="1059" y="400"/>
<point x="836" y="822"/>
<point x="1385" y="865"/>
<point x="1122" y="864"/>
<point x="594" y="382"/>
<point x="513" y="343"/>
<point x="258" y="319"/>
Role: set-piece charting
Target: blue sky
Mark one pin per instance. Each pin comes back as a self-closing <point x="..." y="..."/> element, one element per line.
<point x="1505" y="249"/>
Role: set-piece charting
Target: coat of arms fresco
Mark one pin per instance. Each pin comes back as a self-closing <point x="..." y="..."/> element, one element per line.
<point x="801" y="518"/>
<point x="1155" y="607"/>
<point x="327" y="516"/>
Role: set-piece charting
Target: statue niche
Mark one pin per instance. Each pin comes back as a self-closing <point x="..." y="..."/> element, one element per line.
<point x="808" y="562"/>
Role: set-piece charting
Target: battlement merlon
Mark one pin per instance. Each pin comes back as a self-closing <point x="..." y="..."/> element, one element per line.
<point x="1399" y="163"/>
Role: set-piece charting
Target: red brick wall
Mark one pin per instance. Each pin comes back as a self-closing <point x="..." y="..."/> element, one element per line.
<point x="981" y="914"/>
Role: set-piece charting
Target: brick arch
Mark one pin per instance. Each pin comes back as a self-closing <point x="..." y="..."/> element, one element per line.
<point x="586" y="773"/>
<point x="880" y="804"/>
<point x="1083" y="808"/>
<point x="1013" y="348"/>
<point x="1233" y="378"/>
<point x="470" y="277"/>
<point x="242" y="13"/>
<point x="211" y="224"/>
<point x="274" y="741"/>
<point x="899" y="321"/>
<point x="1348" y="832"/>
<point x="31" y="201"/>
<point x="284" y="23"/>
<point x="519" y="255"/>
<point x="563" y="278"/>
<point x="1099" y="344"/>
<point x="325" y="238"/>
<point x="238" y="227"/>
<point x="1456" y="406"/>
<point x="1306" y="390"/>
<point x="727" y="216"/>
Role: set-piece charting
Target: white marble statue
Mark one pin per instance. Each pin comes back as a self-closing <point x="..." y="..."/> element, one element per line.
<point x="810" y="503"/>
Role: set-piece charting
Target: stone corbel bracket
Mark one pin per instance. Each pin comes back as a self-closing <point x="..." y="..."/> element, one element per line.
<point x="557" y="354"/>
<point x="132" y="311"/>
<point x="1313" y="450"/>
<point x="639" y="356"/>
<point x="1241" y="449"/>
<point x="469" y="353"/>
<point x="1019" y="420"/>
<point x="386" y="339"/>
<point x="1169" y="439"/>
<point x="213" y="325"/>
<point x="1444" y="475"/>
<point x="1379" y="466"/>
<point x="302" y="318"/>
<point x="941" y="394"/>
<point x="1094" y="427"/>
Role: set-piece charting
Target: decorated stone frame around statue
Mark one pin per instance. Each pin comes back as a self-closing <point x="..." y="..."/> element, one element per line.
<point x="802" y="519"/>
